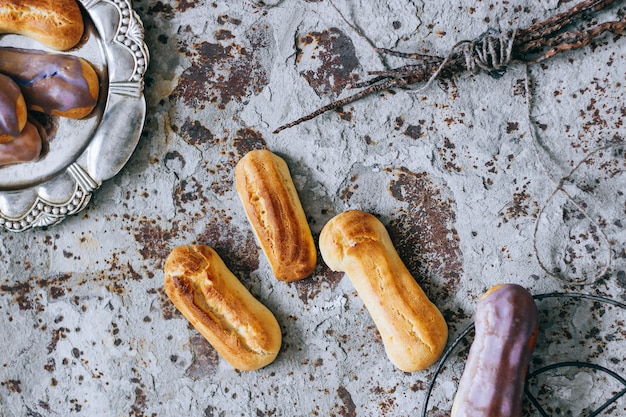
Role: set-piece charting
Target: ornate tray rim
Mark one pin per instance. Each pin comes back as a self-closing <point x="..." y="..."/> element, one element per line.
<point x="124" y="89"/>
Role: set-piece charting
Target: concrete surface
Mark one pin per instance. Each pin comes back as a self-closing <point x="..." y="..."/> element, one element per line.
<point x="464" y="174"/>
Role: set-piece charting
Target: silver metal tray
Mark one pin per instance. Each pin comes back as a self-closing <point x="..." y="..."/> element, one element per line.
<point x="83" y="153"/>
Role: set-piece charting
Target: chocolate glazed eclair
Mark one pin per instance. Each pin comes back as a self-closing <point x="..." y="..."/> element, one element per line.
<point x="12" y="110"/>
<point x="52" y="83"/>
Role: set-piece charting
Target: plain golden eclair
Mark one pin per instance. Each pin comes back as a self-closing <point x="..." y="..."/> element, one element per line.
<point x="57" y="24"/>
<point x="241" y="329"/>
<point x="273" y="208"/>
<point x="413" y="330"/>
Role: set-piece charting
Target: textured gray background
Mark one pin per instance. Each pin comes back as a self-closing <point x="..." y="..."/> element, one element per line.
<point x="460" y="173"/>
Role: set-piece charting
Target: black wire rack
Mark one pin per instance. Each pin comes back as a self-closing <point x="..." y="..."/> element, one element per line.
<point x="581" y="347"/>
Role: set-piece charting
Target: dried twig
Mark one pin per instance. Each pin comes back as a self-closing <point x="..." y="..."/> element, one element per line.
<point x="491" y="52"/>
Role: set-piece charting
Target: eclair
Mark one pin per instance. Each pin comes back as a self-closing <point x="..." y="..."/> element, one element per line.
<point x="273" y="208"/>
<point x="13" y="113"/>
<point x="26" y="147"/>
<point x="52" y="83"/>
<point x="57" y="24"/>
<point x="413" y="330"/>
<point x="241" y="329"/>
<point x="506" y="325"/>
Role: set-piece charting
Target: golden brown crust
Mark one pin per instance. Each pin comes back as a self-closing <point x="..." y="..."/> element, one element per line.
<point x="57" y="24"/>
<point x="241" y="329"/>
<point x="275" y="213"/>
<point x="21" y="111"/>
<point x="413" y="330"/>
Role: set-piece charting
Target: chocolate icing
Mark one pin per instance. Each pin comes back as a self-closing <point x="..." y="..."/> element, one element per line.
<point x="9" y="93"/>
<point x="51" y="83"/>
<point x="27" y="146"/>
<point x="493" y="379"/>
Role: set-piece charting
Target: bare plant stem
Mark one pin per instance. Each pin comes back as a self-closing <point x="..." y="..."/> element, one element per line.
<point x="536" y="43"/>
